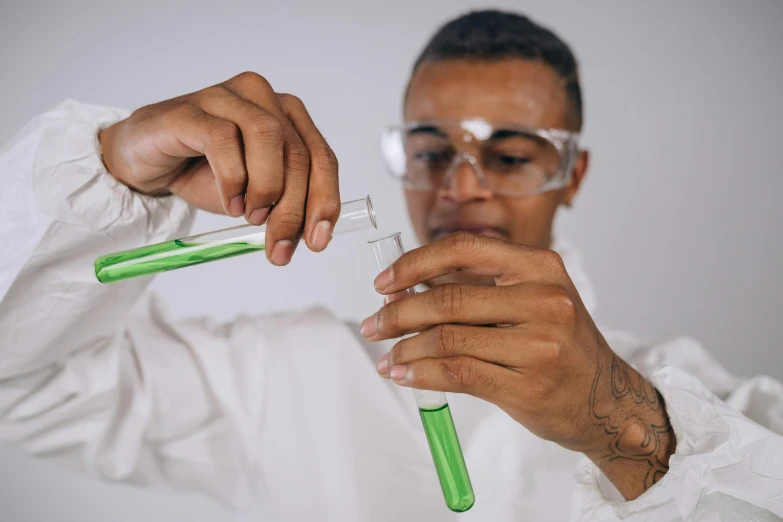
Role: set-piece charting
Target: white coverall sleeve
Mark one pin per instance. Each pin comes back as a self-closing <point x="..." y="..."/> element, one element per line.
<point x="728" y="464"/>
<point x="90" y="378"/>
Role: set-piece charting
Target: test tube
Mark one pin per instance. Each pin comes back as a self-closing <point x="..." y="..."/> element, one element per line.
<point x="211" y="246"/>
<point x="434" y="412"/>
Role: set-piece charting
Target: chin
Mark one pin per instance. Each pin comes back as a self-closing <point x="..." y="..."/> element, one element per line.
<point x="463" y="278"/>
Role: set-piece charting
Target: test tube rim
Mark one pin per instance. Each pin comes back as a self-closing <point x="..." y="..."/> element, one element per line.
<point x="384" y="238"/>
<point x="370" y="210"/>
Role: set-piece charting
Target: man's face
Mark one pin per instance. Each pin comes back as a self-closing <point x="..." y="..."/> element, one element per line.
<point x="512" y="91"/>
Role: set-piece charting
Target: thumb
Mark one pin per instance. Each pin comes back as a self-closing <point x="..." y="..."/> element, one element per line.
<point x="197" y="186"/>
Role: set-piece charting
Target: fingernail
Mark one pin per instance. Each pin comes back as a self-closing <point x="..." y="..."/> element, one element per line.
<point x="383" y="364"/>
<point x="282" y="252"/>
<point x="384" y="279"/>
<point x="370" y="326"/>
<point x="236" y="206"/>
<point x="322" y="234"/>
<point x="399" y="373"/>
<point x="258" y="216"/>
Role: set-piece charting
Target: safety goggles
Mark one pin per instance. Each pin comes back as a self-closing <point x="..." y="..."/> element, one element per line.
<point x="508" y="159"/>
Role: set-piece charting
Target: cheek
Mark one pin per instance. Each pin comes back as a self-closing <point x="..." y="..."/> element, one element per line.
<point x="420" y="206"/>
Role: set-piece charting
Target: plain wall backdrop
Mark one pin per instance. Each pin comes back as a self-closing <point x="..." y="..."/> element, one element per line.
<point x="679" y="219"/>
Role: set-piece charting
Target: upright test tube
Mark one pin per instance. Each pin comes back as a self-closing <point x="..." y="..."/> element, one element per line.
<point x="211" y="246"/>
<point x="434" y="412"/>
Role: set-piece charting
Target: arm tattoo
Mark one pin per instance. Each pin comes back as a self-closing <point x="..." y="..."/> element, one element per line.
<point x="631" y="411"/>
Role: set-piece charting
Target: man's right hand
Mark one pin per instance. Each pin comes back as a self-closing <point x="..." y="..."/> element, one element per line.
<point x="237" y="148"/>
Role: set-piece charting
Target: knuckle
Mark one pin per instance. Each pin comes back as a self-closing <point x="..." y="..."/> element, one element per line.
<point x="447" y="340"/>
<point x="266" y="190"/>
<point x="223" y="133"/>
<point x="210" y="92"/>
<point x="450" y="299"/>
<point x="290" y="218"/>
<point x="389" y="318"/>
<point x="185" y="110"/>
<point x="266" y="126"/>
<point x="234" y="179"/>
<point x="325" y="157"/>
<point x="398" y="352"/>
<point x="330" y="207"/>
<point x="554" y="260"/>
<point x="465" y="242"/>
<point x="298" y="154"/>
<point x="290" y="100"/>
<point x="460" y="371"/>
<point x="251" y="80"/>
<point x="550" y="350"/>
<point x="465" y="375"/>
<point x="562" y="302"/>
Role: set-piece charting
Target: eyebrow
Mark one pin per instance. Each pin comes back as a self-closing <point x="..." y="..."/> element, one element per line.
<point x="427" y="129"/>
<point x="508" y="133"/>
<point x="497" y="135"/>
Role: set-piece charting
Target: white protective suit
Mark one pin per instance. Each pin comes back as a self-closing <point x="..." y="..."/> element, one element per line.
<point x="202" y="405"/>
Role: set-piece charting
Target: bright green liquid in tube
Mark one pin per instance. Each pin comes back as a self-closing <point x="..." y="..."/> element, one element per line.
<point x="447" y="454"/>
<point x="161" y="257"/>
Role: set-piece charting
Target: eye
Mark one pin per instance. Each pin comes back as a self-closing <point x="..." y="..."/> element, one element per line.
<point x="508" y="163"/>
<point x="431" y="157"/>
<point x="507" y="160"/>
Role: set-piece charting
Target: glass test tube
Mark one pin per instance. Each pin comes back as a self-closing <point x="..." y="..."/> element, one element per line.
<point x="434" y="412"/>
<point x="211" y="246"/>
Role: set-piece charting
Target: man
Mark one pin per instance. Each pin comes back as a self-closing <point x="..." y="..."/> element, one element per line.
<point x="284" y="415"/>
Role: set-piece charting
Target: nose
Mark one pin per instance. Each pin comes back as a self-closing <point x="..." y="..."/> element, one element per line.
<point x="464" y="182"/>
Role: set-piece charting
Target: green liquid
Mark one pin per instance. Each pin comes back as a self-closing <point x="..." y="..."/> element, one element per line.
<point x="161" y="257"/>
<point x="447" y="454"/>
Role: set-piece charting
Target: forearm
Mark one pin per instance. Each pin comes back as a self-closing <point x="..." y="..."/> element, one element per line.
<point x="77" y="366"/>
<point x="67" y="210"/>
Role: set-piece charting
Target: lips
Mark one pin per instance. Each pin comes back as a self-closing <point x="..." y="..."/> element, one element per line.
<point x="483" y="230"/>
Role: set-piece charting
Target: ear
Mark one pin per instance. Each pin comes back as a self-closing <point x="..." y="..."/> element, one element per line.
<point x="577" y="176"/>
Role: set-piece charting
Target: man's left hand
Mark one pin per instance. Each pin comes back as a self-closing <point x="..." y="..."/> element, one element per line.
<point x="527" y="345"/>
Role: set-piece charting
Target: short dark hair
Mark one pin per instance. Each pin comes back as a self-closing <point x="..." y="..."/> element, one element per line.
<point x="496" y="35"/>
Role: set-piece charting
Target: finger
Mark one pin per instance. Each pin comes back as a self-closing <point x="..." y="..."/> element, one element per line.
<point x="263" y="142"/>
<point x="398" y="296"/>
<point x="196" y="185"/>
<point x="286" y="219"/>
<point x="459" y="374"/>
<point x="508" y="263"/>
<point x="323" y="194"/>
<point x="509" y="347"/>
<point x="470" y="305"/>
<point x="220" y="141"/>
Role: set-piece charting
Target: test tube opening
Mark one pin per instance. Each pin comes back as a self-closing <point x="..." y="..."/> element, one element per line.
<point x="387" y="250"/>
<point x="356" y="215"/>
<point x="396" y="237"/>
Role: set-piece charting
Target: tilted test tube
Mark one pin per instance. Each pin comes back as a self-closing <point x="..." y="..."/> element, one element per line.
<point x="211" y="246"/>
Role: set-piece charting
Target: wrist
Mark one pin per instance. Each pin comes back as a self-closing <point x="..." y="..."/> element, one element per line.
<point x="633" y="437"/>
<point x="641" y="465"/>
<point x="106" y="140"/>
<point x="113" y="163"/>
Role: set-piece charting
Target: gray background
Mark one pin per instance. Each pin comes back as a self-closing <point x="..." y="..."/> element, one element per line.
<point x="679" y="219"/>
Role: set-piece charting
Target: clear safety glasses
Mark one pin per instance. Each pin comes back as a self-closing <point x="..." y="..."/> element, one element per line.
<point x="508" y="159"/>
